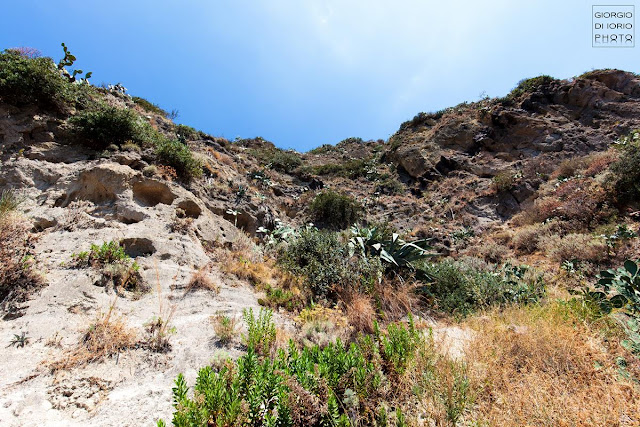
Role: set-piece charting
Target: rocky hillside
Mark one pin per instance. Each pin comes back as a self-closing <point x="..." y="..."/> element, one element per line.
<point x="191" y="217"/>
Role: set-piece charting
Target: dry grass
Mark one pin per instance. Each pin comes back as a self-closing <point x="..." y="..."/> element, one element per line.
<point x="582" y="247"/>
<point x="395" y="298"/>
<point x="200" y="280"/>
<point x="538" y="366"/>
<point x="18" y="278"/>
<point x="360" y="312"/>
<point x="108" y="336"/>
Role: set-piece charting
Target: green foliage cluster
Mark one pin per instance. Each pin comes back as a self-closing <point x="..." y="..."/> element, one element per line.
<point x="277" y="159"/>
<point x="504" y="181"/>
<point x="351" y="140"/>
<point x="394" y="252"/>
<point x="531" y="85"/>
<point x="25" y="81"/>
<point x="324" y="261"/>
<point x="335" y="210"/>
<point x="261" y="331"/>
<point x="323" y="149"/>
<point x="337" y="385"/>
<point x="354" y="169"/>
<point x="105" y="125"/>
<point x="115" y="264"/>
<point x="178" y="155"/>
<point x="107" y="253"/>
<point x="186" y="133"/>
<point x="626" y="171"/>
<point x="618" y="290"/>
<point x="421" y="119"/>
<point x="149" y="106"/>
<point x="460" y="287"/>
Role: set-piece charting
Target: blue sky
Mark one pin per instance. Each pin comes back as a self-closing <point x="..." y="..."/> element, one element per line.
<point x="304" y="73"/>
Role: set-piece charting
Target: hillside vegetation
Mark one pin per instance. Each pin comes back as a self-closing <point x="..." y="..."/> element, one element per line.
<point x="480" y="267"/>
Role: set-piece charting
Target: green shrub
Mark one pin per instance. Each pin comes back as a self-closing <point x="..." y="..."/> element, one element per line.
<point x="116" y="266"/>
<point x="626" y="171"/>
<point x="503" y="181"/>
<point x="274" y="158"/>
<point x="25" y="81"/>
<point x="325" y="263"/>
<point x="186" y="133"/>
<point x="106" y="125"/>
<point x="353" y="169"/>
<point x="261" y="331"/>
<point x="531" y="85"/>
<point x="178" y="155"/>
<point x="323" y="149"/>
<point x="461" y="287"/>
<point x="330" y="386"/>
<point x="149" y="106"/>
<point x="284" y="161"/>
<point x="335" y="210"/>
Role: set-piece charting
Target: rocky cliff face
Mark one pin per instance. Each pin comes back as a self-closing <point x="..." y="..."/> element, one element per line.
<point x="435" y="175"/>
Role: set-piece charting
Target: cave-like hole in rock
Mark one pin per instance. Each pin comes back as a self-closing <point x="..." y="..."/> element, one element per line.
<point x="150" y="193"/>
<point x="190" y="208"/>
<point x="138" y="246"/>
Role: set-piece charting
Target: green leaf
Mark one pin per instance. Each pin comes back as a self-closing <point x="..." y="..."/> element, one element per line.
<point x="618" y="301"/>
<point x="631" y="267"/>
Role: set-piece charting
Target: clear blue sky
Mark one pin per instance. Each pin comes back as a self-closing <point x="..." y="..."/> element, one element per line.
<point x="303" y="73"/>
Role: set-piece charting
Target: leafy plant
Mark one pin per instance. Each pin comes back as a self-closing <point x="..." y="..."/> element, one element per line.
<point x="622" y="287"/>
<point x="531" y="85"/>
<point x="116" y="266"/>
<point x="335" y="210"/>
<point x="20" y="340"/>
<point x="337" y="385"/>
<point x="178" y="155"/>
<point x="324" y="261"/>
<point x="261" y="331"/>
<point x="25" y="81"/>
<point x="626" y="171"/>
<point x="106" y="125"/>
<point x="392" y="250"/>
<point x="461" y="287"/>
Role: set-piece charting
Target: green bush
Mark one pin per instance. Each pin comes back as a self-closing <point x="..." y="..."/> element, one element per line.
<point x="25" y="81"/>
<point x="284" y="161"/>
<point x="460" y="287"/>
<point x="335" y="210"/>
<point x="353" y="169"/>
<point x="116" y="266"/>
<point x="274" y="158"/>
<point x="531" y="85"/>
<point x="261" y="331"/>
<point x="149" y="106"/>
<point x="178" y="155"/>
<point x="330" y="386"/>
<point x="626" y="171"/>
<point x="325" y="263"/>
<point x="99" y="128"/>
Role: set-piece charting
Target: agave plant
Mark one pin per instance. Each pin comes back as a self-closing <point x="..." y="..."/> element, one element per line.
<point x="393" y="250"/>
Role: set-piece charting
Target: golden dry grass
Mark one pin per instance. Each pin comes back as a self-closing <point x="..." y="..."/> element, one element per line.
<point x="538" y="366"/>
<point x="200" y="280"/>
<point x="106" y="337"/>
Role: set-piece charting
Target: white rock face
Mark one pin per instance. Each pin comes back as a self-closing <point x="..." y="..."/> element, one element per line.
<point x="72" y="205"/>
